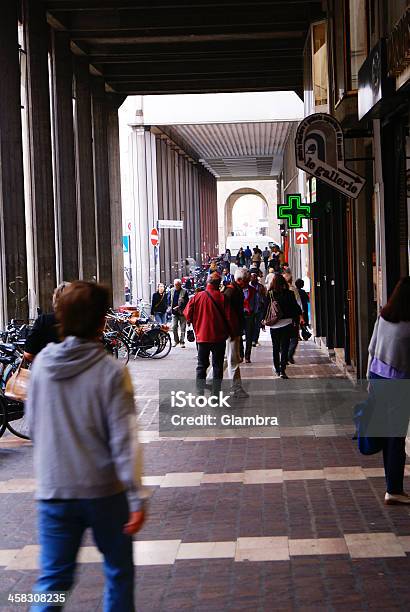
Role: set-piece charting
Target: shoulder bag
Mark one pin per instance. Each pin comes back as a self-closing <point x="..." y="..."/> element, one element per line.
<point x="17" y="385"/>
<point x="274" y="312"/>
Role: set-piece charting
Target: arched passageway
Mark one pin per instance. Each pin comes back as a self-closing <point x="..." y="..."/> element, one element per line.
<point x="230" y="192"/>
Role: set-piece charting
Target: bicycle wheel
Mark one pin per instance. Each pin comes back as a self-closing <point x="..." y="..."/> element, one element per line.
<point x="164" y="347"/>
<point x="16" y="414"/>
<point x="121" y="350"/>
<point x="3" y="415"/>
<point x="149" y="343"/>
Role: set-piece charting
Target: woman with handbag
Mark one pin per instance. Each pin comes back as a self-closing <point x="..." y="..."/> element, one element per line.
<point x="389" y="359"/>
<point x="159" y="305"/>
<point x="280" y="312"/>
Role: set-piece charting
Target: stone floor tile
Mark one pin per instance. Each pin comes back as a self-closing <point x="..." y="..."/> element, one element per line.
<point x="303" y="475"/>
<point x="262" y="549"/>
<point x="373" y="472"/>
<point x="319" y="546"/>
<point x="155" y="552"/>
<point x="6" y="556"/>
<point x="25" y="559"/>
<point x="222" y="477"/>
<point x="344" y="473"/>
<point x="374" y="545"/>
<point x="89" y="554"/>
<point x="262" y="476"/>
<point x="17" y="485"/>
<point x="152" y="481"/>
<point x="182" y="479"/>
<point x="206" y="550"/>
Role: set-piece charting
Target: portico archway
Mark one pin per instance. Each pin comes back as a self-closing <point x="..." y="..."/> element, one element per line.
<point x="229" y="192"/>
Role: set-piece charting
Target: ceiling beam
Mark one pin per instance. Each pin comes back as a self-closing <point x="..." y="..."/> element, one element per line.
<point x="238" y="56"/>
<point x="132" y="37"/>
<point x="167" y="20"/>
<point x="289" y="46"/>
<point x="239" y="84"/>
<point x="98" y="5"/>
<point x="183" y="67"/>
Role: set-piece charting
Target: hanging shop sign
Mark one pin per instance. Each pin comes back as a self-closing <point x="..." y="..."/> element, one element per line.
<point x="302" y="237"/>
<point x="319" y="145"/>
<point x="294" y="211"/>
<point x="375" y="87"/>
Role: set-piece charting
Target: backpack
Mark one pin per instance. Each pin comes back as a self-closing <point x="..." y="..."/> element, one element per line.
<point x="274" y="312"/>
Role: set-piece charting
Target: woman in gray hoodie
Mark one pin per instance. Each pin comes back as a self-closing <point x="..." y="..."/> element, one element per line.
<point x="389" y="361"/>
<point x="82" y="422"/>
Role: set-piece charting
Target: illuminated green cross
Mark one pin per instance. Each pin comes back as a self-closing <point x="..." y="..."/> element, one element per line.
<point x="294" y="211"/>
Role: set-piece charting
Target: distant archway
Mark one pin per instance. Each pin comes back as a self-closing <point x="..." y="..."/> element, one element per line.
<point x="229" y="193"/>
<point x="232" y="200"/>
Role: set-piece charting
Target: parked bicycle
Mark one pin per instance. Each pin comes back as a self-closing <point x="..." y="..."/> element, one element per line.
<point x="143" y="339"/>
<point x="12" y="415"/>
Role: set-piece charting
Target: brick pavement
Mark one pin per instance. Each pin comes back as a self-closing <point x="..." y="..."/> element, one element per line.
<point x="298" y="501"/>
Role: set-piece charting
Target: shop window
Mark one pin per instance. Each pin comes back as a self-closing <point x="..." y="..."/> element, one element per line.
<point x="319" y="66"/>
<point x="357" y="39"/>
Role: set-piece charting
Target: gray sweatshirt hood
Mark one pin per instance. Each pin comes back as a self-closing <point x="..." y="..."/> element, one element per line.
<point x="70" y="358"/>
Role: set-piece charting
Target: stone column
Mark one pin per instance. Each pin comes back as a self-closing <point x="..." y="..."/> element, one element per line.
<point x="40" y="153"/>
<point x="64" y="159"/>
<point x="85" y="171"/>
<point x="13" y="259"/>
<point x="101" y="183"/>
<point x="144" y="196"/>
<point x="115" y="201"/>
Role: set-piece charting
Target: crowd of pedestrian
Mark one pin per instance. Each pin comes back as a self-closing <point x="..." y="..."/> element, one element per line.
<point x="228" y="316"/>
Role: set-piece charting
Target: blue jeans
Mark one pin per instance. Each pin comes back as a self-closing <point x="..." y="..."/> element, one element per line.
<point x="61" y="527"/>
<point x="161" y="317"/>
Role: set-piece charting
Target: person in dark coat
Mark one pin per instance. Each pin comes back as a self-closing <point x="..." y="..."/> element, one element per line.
<point x="304" y="297"/>
<point x="159" y="305"/>
<point x="45" y="328"/>
<point x="281" y="331"/>
<point x="178" y="299"/>
<point x="240" y="258"/>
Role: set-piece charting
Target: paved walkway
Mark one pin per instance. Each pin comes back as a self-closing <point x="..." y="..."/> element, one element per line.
<point x="290" y="522"/>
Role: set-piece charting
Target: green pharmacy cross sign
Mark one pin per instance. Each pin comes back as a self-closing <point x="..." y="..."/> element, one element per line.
<point x="294" y="211"/>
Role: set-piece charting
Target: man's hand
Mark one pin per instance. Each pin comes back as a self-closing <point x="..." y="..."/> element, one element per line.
<point x="135" y="522"/>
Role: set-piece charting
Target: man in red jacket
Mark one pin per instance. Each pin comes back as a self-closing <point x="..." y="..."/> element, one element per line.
<point x="209" y="315"/>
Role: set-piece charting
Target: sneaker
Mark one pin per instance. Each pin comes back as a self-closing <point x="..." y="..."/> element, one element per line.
<point x="284" y="375"/>
<point x="391" y="499"/>
<point x="182" y="344"/>
<point x="174" y="344"/>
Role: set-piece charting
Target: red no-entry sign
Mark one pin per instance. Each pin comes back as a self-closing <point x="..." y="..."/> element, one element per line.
<point x="302" y="237"/>
<point x="154" y="236"/>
